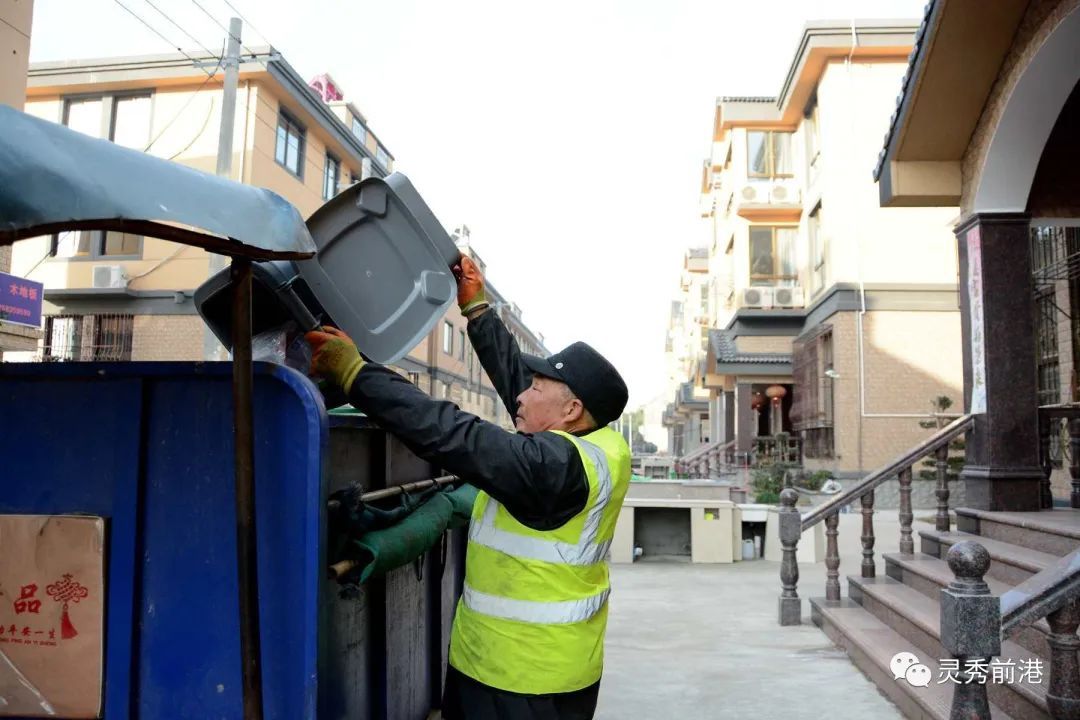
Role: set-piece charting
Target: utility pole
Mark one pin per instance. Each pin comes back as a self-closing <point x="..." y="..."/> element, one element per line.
<point x="211" y="347"/>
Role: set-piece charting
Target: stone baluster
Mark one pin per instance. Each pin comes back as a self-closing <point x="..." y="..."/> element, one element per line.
<point x="790" y="526"/>
<point x="868" y="568"/>
<point x="1063" y="694"/>
<point x="970" y="626"/>
<point x="1046" y="496"/>
<point x="907" y="545"/>
<point x="1074" y="461"/>
<point x="707" y="462"/>
<point x="832" y="558"/>
<point x="941" y="520"/>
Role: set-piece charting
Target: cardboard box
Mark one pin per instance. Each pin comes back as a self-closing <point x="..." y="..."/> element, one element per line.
<point x="52" y="615"/>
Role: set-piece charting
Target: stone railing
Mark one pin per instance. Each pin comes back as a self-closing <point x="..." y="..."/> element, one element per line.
<point x="773" y="449"/>
<point x="974" y="623"/>
<point x="1068" y="448"/>
<point x="793" y="524"/>
<point x="701" y="461"/>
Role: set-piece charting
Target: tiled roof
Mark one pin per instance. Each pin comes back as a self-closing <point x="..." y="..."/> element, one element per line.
<point x="723" y="346"/>
<point x="905" y="85"/>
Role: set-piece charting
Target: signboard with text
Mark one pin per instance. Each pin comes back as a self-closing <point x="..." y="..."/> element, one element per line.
<point x="52" y="615"/>
<point x="20" y="300"/>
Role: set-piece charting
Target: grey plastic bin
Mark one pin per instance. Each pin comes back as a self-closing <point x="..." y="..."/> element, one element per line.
<point x="381" y="273"/>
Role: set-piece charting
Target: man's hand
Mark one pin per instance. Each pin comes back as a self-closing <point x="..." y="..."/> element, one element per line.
<point x="470" y="286"/>
<point x="334" y="356"/>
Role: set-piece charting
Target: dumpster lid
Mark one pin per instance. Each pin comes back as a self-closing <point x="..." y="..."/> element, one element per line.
<point x="382" y="270"/>
<point x="53" y="179"/>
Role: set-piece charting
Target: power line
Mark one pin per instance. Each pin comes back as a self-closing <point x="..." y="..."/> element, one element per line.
<point x="177" y="26"/>
<point x="227" y="31"/>
<point x="247" y="22"/>
<point x="185" y="105"/>
<point x="154" y="30"/>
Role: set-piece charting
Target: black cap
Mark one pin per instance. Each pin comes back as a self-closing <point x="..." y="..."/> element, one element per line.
<point x="589" y="375"/>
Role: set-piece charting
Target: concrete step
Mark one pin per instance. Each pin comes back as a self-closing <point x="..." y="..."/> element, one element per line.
<point x="871" y="645"/>
<point x="929" y="575"/>
<point x="916" y="618"/>
<point x="1011" y="564"/>
<point x="1056" y="531"/>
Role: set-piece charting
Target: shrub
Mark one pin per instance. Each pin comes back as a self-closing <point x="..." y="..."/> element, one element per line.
<point x="767" y="482"/>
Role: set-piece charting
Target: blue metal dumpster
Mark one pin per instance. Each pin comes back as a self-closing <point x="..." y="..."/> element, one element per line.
<point x="149" y="446"/>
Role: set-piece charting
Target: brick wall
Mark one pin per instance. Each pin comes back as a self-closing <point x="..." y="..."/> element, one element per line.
<point x="763" y="344"/>
<point x="910" y="358"/>
<point x="167" y="337"/>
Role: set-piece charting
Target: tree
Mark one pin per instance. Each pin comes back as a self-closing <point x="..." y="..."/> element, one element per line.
<point x="955" y="460"/>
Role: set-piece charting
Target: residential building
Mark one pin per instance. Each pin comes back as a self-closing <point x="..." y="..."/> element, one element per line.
<point x="113" y="296"/>
<point x="686" y="417"/>
<point x="15" y="20"/>
<point x="835" y="322"/>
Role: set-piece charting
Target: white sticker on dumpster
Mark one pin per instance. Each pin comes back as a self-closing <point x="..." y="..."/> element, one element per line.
<point x="52" y="610"/>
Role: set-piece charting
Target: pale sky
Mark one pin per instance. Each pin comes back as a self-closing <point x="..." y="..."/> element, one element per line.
<point x="568" y="134"/>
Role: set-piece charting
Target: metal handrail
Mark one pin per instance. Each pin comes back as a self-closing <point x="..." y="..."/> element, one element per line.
<point x="942" y="437"/>
<point x="1041" y="594"/>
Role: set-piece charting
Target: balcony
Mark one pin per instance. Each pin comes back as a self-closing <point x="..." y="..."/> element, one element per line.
<point x="768" y="197"/>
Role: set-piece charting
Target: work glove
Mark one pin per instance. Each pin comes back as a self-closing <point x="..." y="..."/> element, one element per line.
<point x="334" y="356"/>
<point x="470" y="286"/>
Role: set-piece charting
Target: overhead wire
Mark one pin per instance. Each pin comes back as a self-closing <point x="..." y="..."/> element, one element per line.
<point x="247" y="22"/>
<point x="154" y="30"/>
<point x="178" y="27"/>
<point x="226" y="30"/>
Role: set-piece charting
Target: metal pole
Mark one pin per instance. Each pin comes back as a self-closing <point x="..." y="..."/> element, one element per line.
<point x="231" y="63"/>
<point x="244" y="458"/>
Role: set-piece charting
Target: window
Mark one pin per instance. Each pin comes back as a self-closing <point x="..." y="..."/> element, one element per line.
<point x="289" y="149"/>
<point x="768" y="153"/>
<point x="414" y="378"/>
<point x="446" y="391"/>
<point x="359" y="130"/>
<point x="331" y="176"/>
<point x="812" y="395"/>
<point x="382" y="156"/>
<point x="88" y="338"/>
<point x="448" y="337"/>
<point x="818" y="251"/>
<point x="772" y="255"/>
<point x="1046" y="348"/>
<point x="461" y="345"/>
<point x="124" y="119"/>
<point x="813" y="134"/>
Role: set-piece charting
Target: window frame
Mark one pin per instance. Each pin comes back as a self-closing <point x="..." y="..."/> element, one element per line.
<point x="107" y="131"/>
<point x="819" y="246"/>
<point x="362" y="135"/>
<point x="331" y="160"/>
<point x="774" y="277"/>
<point x="461" y="345"/>
<point x="448" y="338"/>
<point x="770" y="173"/>
<point x="301" y="145"/>
<point x="382" y="156"/>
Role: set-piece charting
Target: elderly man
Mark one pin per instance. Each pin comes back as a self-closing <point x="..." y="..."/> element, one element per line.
<point x="528" y="637"/>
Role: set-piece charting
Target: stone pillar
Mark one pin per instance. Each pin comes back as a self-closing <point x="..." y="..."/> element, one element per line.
<point x="744" y="419"/>
<point x="997" y="309"/>
<point x="729" y="417"/>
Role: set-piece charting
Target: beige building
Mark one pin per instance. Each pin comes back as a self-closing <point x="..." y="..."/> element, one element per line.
<point x="686" y="418"/>
<point x="113" y="296"/>
<point x="15" y="20"/>
<point x="834" y="320"/>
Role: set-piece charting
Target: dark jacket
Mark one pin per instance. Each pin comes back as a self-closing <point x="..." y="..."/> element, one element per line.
<point x="539" y="478"/>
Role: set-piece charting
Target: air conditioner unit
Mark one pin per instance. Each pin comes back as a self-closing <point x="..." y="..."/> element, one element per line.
<point x="780" y="194"/>
<point x="109" y="276"/>
<point x="789" y="297"/>
<point x="757" y="297"/>
<point x="749" y="194"/>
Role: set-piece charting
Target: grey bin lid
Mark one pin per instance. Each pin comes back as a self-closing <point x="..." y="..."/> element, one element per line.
<point x="382" y="266"/>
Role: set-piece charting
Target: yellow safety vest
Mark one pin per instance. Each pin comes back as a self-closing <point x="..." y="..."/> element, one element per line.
<point x="531" y="618"/>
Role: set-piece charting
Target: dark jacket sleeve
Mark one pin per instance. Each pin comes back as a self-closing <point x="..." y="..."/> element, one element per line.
<point x="539" y="478"/>
<point x="501" y="358"/>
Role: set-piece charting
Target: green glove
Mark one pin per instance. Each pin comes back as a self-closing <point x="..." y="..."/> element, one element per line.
<point x="334" y="356"/>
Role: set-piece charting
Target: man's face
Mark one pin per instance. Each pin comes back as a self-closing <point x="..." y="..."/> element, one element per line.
<point x="543" y="406"/>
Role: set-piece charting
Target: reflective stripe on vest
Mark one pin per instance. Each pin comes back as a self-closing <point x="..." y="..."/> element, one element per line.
<point x="547" y="613"/>
<point x="585" y="552"/>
